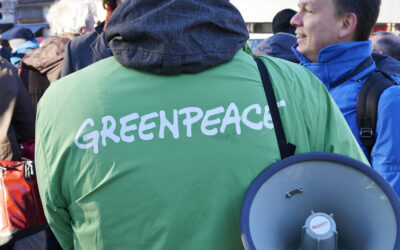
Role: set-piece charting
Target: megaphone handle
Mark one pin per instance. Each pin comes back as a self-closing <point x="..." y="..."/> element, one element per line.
<point x="286" y="149"/>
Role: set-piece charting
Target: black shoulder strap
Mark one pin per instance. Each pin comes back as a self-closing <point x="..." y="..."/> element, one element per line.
<point x="286" y="149"/>
<point x="367" y="105"/>
<point x="361" y="67"/>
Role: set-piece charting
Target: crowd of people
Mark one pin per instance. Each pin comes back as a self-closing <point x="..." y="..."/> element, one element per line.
<point x="151" y="125"/>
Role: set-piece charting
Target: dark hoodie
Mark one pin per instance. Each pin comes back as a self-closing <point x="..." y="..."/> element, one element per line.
<point x="175" y="36"/>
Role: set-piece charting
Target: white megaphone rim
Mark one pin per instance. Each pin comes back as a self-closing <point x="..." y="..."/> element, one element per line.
<point x="314" y="156"/>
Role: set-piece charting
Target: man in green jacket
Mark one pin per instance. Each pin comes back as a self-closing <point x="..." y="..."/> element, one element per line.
<point x="159" y="143"/>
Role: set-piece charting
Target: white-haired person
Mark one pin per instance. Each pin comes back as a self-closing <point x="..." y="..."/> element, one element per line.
<point x="91" y="47"/>
<point x="68" y="19"/>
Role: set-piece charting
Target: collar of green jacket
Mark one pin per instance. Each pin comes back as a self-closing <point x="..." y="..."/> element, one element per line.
<point x="173" y="37"/>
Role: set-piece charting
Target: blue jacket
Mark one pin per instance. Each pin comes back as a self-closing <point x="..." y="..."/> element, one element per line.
<point x="335" y="62"/>
<point x="17" y="54"/>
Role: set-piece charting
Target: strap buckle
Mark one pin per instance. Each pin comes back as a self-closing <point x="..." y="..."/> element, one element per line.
<point x="366" y="133"/>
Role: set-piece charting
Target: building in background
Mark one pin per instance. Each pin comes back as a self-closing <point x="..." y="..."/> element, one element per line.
<point x="27" y="13"/>
<point x="7" y="19"/>
<point x="31" y="11"/>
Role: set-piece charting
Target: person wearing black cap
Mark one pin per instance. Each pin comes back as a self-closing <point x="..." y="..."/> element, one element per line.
<point x="21" y="40"/>
<point x="280" y="44"/>
<point x="281" y="22"/>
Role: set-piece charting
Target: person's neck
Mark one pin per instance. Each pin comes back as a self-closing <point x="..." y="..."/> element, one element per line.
<point x="68" y="35"/>
<point x="109" y="12"/>
<point x="343" y="40"/>
<point x="334" y="61"/>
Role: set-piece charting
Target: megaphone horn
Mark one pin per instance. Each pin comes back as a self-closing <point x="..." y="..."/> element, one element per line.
<point x="320" y="201"/>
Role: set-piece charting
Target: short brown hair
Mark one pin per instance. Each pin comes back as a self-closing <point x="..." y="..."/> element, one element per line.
<point x="367" y="12"/>
<point x="110" y="3"/>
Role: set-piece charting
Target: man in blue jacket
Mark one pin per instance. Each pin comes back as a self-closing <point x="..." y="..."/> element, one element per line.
<point x="332" y="42"/>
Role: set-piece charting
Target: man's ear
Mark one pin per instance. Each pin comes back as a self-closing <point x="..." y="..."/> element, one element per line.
<point x="349" y="24"/>
<point x="82" y="30"/>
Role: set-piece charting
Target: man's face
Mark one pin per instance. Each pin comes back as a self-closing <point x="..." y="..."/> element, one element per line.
<point x="317" y="26"/>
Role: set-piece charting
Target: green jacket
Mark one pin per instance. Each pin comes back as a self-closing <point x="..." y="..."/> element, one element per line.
<point x="143" y="161"/>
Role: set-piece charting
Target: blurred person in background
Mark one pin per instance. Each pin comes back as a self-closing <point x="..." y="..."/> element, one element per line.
<point x="280" y="44"/>
<point x="5" y="49"/>
<point x="17" y="116"/>
<point x="90" y="48"/>
<point x="68" y="19"/>
<point x="281" y="22"/>
<point x="21" y="40"/>
<point x="386" y="43"/>
<point x="17" y="126"/>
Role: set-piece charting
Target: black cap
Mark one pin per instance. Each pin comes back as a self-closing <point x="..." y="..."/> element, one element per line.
<point x="22" y="33"/>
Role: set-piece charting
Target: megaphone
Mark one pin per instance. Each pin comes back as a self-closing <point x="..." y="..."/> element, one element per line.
<point x="320" y="201"/>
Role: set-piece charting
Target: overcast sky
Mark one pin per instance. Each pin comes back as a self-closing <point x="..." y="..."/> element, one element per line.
<point x="264" y="10"/>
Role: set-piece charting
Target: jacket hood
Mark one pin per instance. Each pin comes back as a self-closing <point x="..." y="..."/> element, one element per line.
<point x="47" y="59"/>
<point x="278" y="45"/>
<point x="175" y="36"/>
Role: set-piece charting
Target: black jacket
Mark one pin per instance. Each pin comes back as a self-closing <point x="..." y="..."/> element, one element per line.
<point x="17" y="116"/>
<point x="85" y="50"/>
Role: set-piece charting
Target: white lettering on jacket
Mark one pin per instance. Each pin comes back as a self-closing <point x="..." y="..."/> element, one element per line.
<point x="209" y="122"/>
